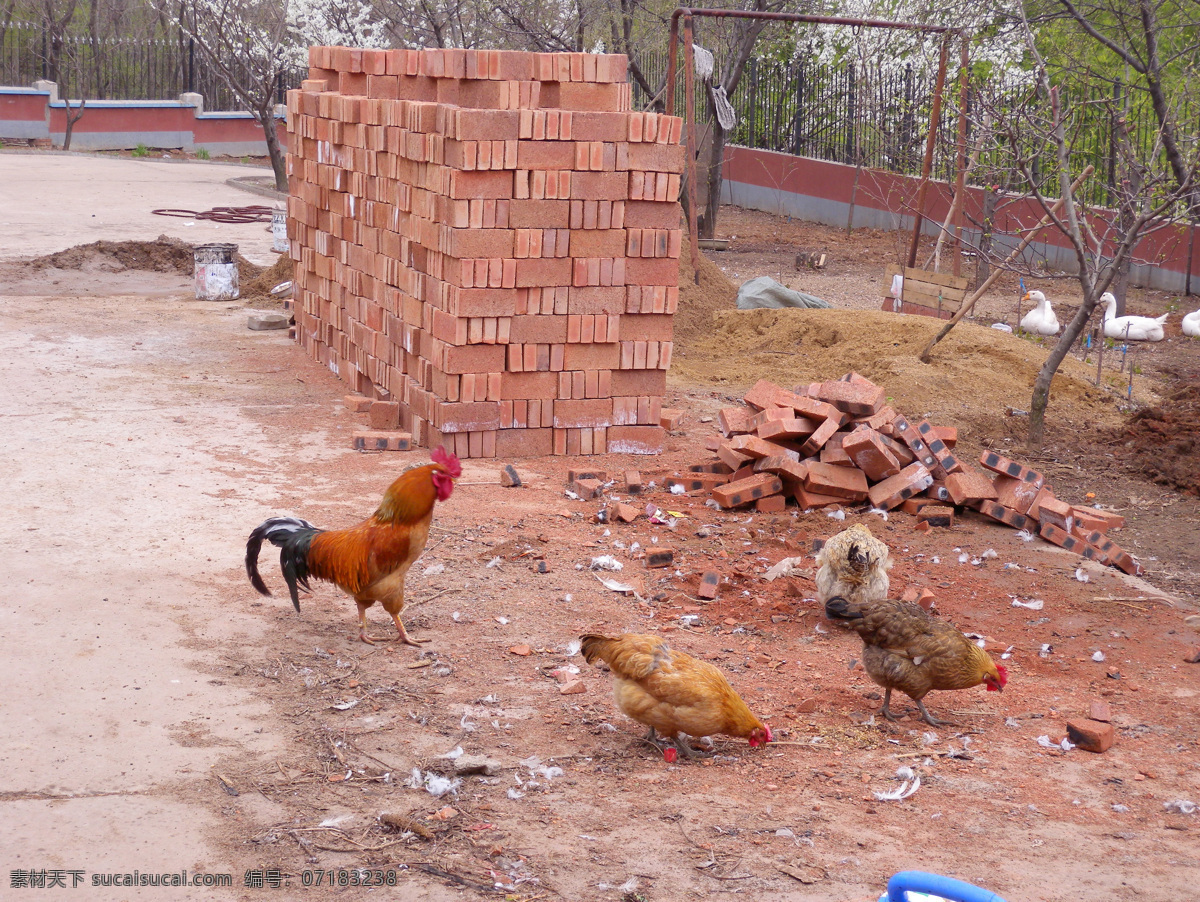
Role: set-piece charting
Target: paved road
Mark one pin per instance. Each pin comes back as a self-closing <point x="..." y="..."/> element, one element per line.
<point x="53" y="201"/>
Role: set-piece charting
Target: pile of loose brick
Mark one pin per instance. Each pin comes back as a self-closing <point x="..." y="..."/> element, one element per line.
<point x="487" y="244"/>
<point x="840" y="443"/>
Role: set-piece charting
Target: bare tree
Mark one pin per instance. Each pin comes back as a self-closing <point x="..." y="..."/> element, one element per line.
<point x="1151" y="196"/>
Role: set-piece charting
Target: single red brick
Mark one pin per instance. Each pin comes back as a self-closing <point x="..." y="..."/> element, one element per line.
<point x="1061" y="538"/>
<point x="635" y="439"/>
<point x="357" y="403"/>
<point x="1056" y="513"/>
<point x="900" y="451"/>
<point x="697" y="482"/>
<point x="1099" y="710"/>
<point x="1044" y="493"/>
<point x="731" y="458"/>
<point x="384" y="415"/>
<point x="998" y="463"/>
<point x="865" y="448"/>
<point x="626" y="513"/>
<point x="1126" y="562"/>
<point x="915" y="504"/>
<point x="1091" y="518"/>
<point x="715" y="466"/>
<point x="743" y="491"/>
<point x="941" y="515"/>
<point x="1016" y="493"/>
<point x="845" y="482"/>
<point x="895" y="490"/>
<point x="1091" y="735"/>
<point x="601" y="475"/>
<point x="756" y="447"/>
<point x="815" y="442"/>
<point x="709" y="583"/>
<point x="772" y="504"/>
<point x="786" y="468"/>
<point x="763" y="395"/>
<point x="371" y="440"/>
<point x="586" y="489"/>
<point x="852" y="397"/>
<point x="660" y="557"/>
<point x="735" y="421"/>
<point x="908" y="434"/>
<point x="787" y="427"/>
<point x="509" y="478"/>
<point x="969" y="486"/>
<point x="808" y="500"/>
<point x="1003" y="514"/>
<point x="633" y="482"/>
<point x="926" y="598"/>
<point x="834" y="451"/>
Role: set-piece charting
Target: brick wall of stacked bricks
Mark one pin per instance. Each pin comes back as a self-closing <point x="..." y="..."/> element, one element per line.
<point x="487" y="242"/>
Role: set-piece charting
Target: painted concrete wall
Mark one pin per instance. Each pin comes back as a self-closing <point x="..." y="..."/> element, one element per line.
<point x="821" y="191"/>
<point x="37" y="113"/>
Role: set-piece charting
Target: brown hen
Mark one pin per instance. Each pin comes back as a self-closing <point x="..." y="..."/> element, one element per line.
<point x="905" y="648"/>
<point x="672" y="692"/>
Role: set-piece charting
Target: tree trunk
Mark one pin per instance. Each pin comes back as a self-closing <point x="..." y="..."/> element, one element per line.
<point x="1041" y="385"/>
<point x="706" y="225"/>
<point x="274" y="148"/>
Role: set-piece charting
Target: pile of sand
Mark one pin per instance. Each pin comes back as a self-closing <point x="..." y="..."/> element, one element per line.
<point x="975" y="376"/>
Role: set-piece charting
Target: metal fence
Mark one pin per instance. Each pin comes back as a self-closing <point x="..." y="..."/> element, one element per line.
<point x="879" y="119"/>
<point x="117" y="68"/>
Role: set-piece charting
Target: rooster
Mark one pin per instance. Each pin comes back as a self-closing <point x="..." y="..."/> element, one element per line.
<point x="905" y="648"/>
<point x="673" y="693"/>
<point x="853" y="565"/>
<point x="368" y="561"/>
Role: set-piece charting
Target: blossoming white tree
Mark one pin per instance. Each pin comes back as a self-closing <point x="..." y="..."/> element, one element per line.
<point x="250" y="43"/>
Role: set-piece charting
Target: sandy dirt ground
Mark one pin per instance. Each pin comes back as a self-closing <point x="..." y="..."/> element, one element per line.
<point x="163" y="717"/>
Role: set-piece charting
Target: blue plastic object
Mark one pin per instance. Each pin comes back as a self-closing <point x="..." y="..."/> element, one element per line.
<point x="905" y="882"/>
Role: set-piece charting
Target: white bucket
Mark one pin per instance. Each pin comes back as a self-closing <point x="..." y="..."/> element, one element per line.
<point x="216" y="273"/>
<point x="279" y="231"/>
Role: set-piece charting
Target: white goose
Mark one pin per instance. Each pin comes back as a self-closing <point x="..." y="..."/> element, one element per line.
<point x="1191" y="324"/>
<point x="1132" y="328"/>
<point x="1041" y="319"/>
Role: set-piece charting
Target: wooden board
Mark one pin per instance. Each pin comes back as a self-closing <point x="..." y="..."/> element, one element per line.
<point x="939" y="292"/>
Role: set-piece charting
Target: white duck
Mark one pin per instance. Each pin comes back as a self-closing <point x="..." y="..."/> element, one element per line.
<point x="1191" y="324"/>
<point x="1132" y="328"/>
<point x="1041" y="319"/>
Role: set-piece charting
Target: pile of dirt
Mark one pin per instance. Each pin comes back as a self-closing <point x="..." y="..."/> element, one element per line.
<point x="255" y="282"/>
<point x="976" y="374"/>
<point x="164" y="254"/>
<point x="699" y="302"/>
<point x="1164" y="441"/>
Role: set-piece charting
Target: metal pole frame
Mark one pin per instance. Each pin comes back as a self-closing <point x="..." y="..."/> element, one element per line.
<point x="689" y="78"/>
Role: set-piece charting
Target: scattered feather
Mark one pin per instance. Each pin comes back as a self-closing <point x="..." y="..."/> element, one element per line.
<point x="606" y="562"/>
<point x="345" y="706"/>
<point x="784" y="567"/>
<point x="1080" y="575"/>
<point x="573" y="648"/>
<point x="990" y="554"/>
<point x="494" y="562"/>
<point x="571" y="495"/>
<point x="434" y="570"/>
<point x="1181" y="806"/>
<point x="912" y="782"/>
<point x="963" y="558"/>
<point x="838" y="514"/>
<point x="677" y="489"/>
<point x="878" y="511"/>
<point x="614" y="586"/>
<point x="1025" y="535"/>
<point x="1034" y="604"/>
<point x="1098" y="657"/>
<point x="1044" y="741"/>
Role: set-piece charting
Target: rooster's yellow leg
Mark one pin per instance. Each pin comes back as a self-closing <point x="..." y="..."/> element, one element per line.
<point x="404" y="636"/>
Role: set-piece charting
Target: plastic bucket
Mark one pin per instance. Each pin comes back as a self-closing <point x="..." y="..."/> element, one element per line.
<point x="216" y="273"/>
<point x="279" y="231"/>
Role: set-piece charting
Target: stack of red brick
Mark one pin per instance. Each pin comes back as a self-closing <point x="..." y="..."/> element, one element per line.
<point x="833" y="443"/>
<point x="488" y="240"/>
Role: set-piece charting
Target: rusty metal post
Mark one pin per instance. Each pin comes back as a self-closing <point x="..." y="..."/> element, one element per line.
<point x="960" y="177"/>
<point x="689" y="119"/>
<point x="935" y="116"/>
<point x="672" y="52"/>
